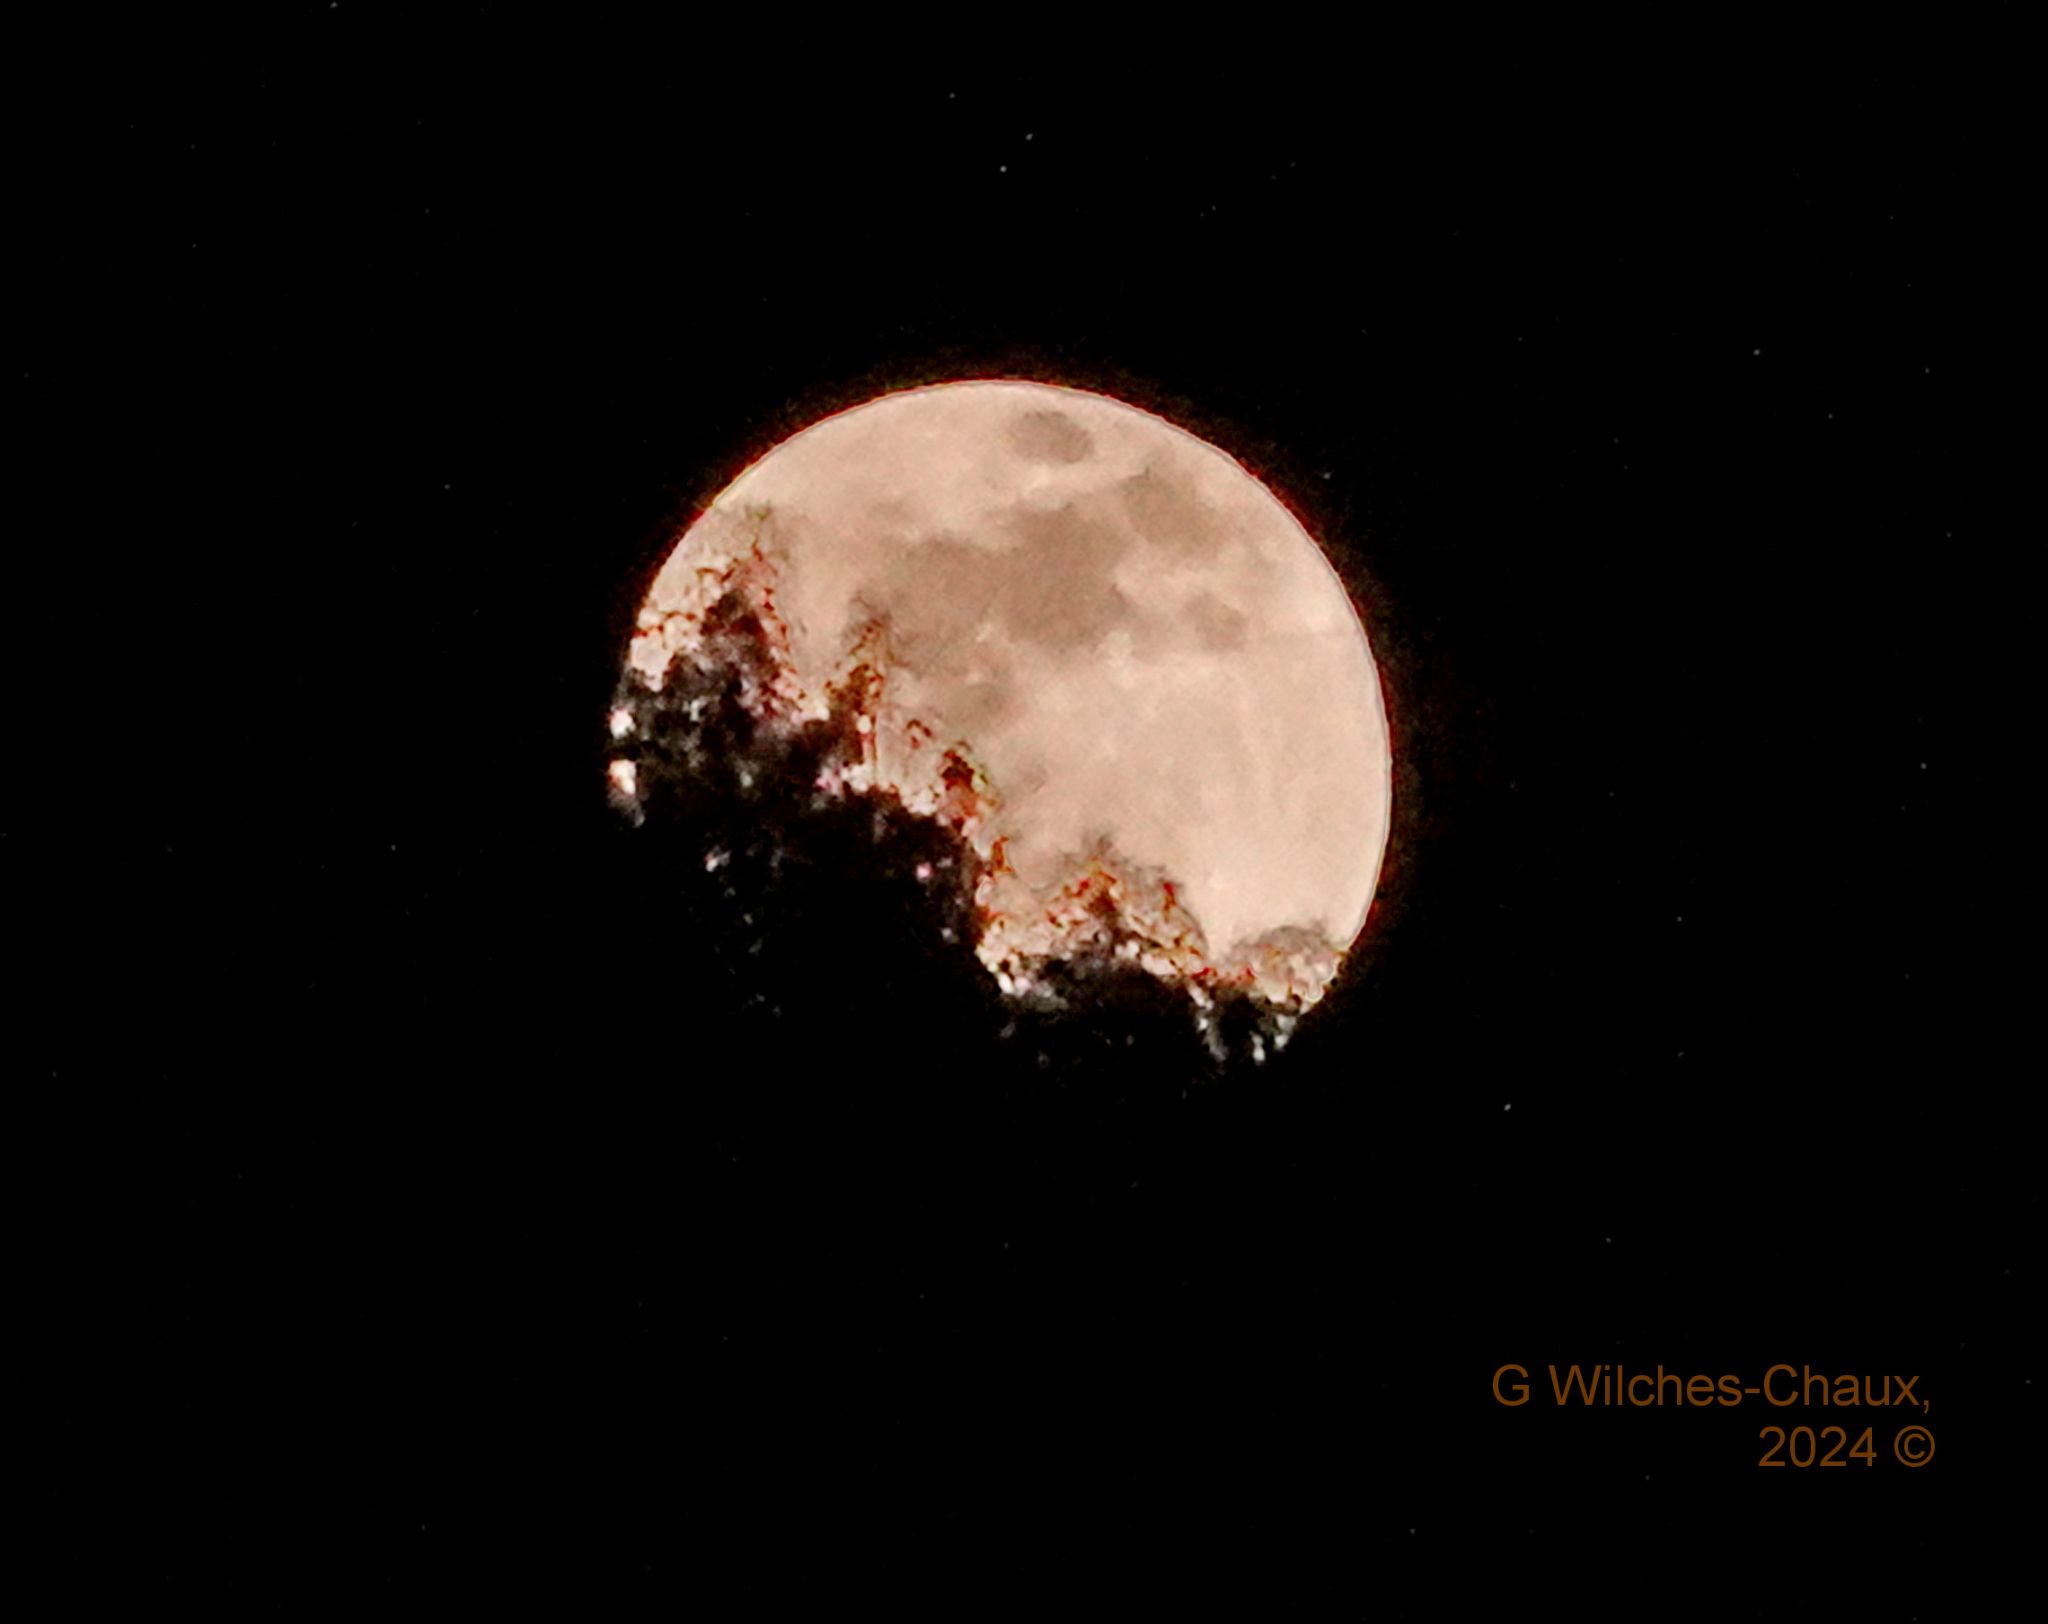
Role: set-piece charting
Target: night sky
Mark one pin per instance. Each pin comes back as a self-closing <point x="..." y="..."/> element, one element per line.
<point x="438" y="1200"/>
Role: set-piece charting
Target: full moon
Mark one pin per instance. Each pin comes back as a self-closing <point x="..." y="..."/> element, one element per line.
<point x="1095" y="642"/>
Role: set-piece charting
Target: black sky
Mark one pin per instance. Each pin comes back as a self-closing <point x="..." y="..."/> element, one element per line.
<point x="1663" y="391"/>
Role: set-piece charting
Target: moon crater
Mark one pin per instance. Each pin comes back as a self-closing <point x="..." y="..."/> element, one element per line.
<point x="1048" y="436"/>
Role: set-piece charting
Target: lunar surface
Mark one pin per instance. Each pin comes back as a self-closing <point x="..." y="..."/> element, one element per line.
<point x="1091" y="642"/>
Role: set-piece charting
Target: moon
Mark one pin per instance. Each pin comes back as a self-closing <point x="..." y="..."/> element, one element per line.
<point x="1164" y="690"/>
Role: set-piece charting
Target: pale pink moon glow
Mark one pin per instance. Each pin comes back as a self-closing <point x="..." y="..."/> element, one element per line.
<point x="1157" y="673"/>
